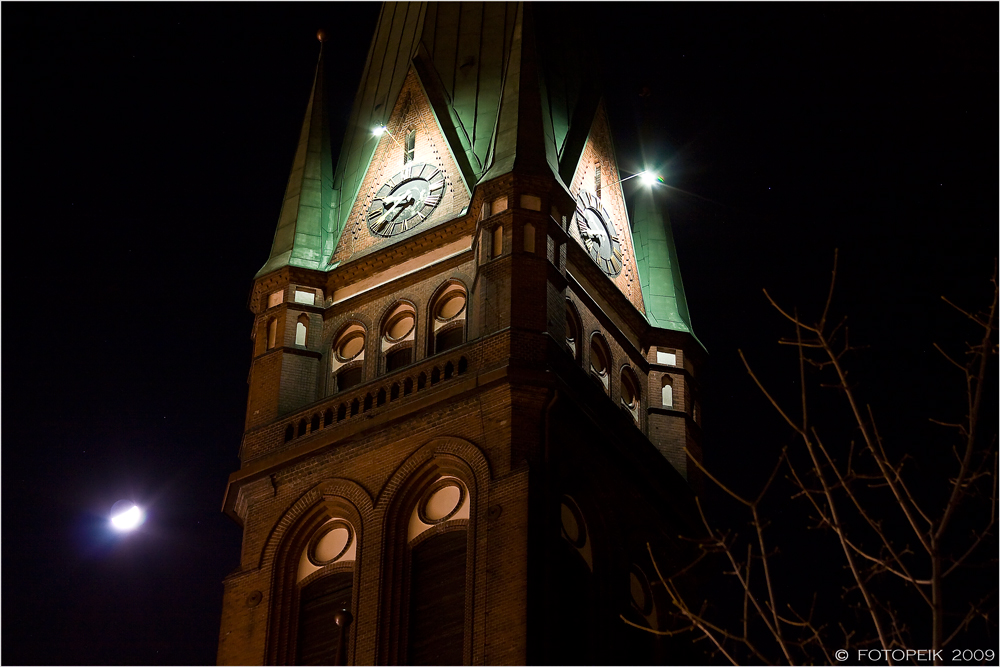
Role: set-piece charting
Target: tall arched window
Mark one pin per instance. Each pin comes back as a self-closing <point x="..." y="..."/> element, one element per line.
<point x="326" y="583"/>
<point x="398" y="336"/>
<point x="348" y="357"/>
<point x="302" y="330"/>
<point x="667" y="392"/>
<point x="411" y="143"/>
<point x="573" y="629"/>
<point x="437" y="537"/>
<point x="448" y="316"/>
<point x="314" y="592"/>
<point x="429" y="562"/>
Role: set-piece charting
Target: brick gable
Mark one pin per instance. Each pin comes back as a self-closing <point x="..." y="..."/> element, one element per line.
<point x="411" y="112"/>
<point x="599" y="151"/>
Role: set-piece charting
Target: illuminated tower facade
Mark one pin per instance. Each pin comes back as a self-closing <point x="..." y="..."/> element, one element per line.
<point x="474" y="377"/>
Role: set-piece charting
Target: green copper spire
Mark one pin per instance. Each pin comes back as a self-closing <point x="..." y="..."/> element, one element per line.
<point x="306" y="211"/>
<point x="523" y="134"/>
<point x="659" y="271"/>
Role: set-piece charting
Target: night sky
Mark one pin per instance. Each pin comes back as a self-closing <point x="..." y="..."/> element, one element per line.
<point x="146" y="151"/>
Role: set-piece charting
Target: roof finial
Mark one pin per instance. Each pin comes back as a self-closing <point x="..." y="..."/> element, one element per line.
<point x="321" y="36"/>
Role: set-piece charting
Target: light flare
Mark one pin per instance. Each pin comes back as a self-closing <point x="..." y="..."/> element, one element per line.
<point x="127" y="519"/>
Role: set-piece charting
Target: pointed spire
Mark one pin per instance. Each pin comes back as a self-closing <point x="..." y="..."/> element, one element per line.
<point x="523" y="136"/>
<point x="659" y="271"/>
<point x="303" y="222"/>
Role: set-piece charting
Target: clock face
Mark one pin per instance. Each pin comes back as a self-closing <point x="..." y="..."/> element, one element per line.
<point x="406" y="200"/>
<point x="599" y="235"/>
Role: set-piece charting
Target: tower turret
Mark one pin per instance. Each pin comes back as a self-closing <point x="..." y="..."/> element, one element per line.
<point x="456" y="428"/>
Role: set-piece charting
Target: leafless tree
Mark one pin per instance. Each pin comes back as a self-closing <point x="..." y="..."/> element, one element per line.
<point x="903" y="536"/>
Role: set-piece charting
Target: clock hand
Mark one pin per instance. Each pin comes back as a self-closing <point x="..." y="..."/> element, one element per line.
<point x="409" y="202"/>
<point x="388" y="204"/>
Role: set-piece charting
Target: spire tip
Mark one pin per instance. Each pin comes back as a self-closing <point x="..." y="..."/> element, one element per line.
<point x="321" y="35"/>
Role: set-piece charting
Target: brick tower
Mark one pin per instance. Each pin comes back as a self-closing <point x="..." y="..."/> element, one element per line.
<point x="474" y="375"/>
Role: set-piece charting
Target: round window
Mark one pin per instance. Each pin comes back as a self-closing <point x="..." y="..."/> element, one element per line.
<point x="331" y="543"/>
<point x="628" y="389"/>
<point x="400" y="326"/>
<point x="442" y="502"/>
<point x="571" y="333"/>
<point x="451" y="305"/>
<point x="598" y="358"/>
<point x="350" y="346"/>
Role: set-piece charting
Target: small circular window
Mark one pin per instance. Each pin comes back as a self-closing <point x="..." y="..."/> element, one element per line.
<point x="442" y="502"/>
<point x="571" y="333"/>
<point x="350" y="345"/>
<point x="400" y="326"/>
<point x="331" y="543"/>
<point x="450" y="306"/>
<point x="598" y="357"/>
<point x="628" y="389"/>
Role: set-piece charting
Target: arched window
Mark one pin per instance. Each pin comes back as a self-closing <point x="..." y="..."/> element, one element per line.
<point x="301" y="329"/>
<point x="437" y="537"/>
<point x="448" y="311"/>
<point x="630" y="396"/>
<point x="667" y="392"/>
<point x="411" y="143"/>
<point x="348" y="357"/>
<point x="572" y="332"/>
<point x="600" y="360"/>
<point x="573" y="631"/>
<point x="272" y="333"/>
<point x="314" y="587"/>
<point x="398" y="336"/>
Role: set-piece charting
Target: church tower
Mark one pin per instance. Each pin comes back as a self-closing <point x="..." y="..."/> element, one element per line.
<point x="474" y="377"/>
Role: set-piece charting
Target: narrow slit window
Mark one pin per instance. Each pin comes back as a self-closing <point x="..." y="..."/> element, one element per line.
<point x="272" y="333"/>
<point x="411" y="142"/>
<point x="597" y="180"/>
<point x="497" y="240"/>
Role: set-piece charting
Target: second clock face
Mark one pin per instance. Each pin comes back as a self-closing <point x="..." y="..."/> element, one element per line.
<point x="599" y="235"/>
<point x="406" y="200"/>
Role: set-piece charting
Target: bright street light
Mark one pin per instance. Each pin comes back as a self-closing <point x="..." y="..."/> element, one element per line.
<point x="648" y="178"/>
<point x="382" y="129"/>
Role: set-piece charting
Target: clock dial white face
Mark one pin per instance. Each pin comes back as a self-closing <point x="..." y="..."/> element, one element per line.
<point x="406" y="200"/>
<point x="599" y="235"/>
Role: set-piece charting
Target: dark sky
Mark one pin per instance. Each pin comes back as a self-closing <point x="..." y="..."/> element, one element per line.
<point x="146" y="150"/>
